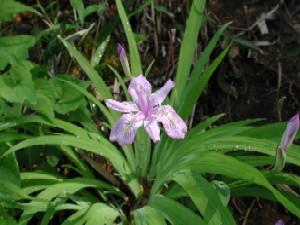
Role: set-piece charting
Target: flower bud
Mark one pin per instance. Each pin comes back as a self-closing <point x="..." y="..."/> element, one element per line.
<point x="123" y="59"/>
<point x="286" y="141"/>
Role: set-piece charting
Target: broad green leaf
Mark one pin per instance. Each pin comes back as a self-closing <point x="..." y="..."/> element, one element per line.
<point x="69" y="99"/>
<point x="9" y="8"/>
<point x="148" y="216"/>
<point x="205" y="198"/>
<point x="9" y="169"/>
<point x="101" y="214"/>
<point x="14" y="48"/>
<point x="17" y="85"/>
<point x="46" y="95"/>
<point x="174" y="212"/>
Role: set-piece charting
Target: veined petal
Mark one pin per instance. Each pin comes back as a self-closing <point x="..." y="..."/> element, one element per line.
<point x="121" y="106"/>
<point x="125" y="128"/>
<point x="175" y="127"/>
<point x="159" y="96"/>
<point x="153" y="130"/>
<point x="289" y="133"/>
<point x="140" y="90"/>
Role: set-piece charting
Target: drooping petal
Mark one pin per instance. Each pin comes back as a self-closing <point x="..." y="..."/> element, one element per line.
<point x="125" y="128"/>
<point x="175" y="127"/>
<point x="279" y="222"/>
<point x="159" y="96"/>
<point x="153" y="130"/>
<point x="140" y="91"/>
<point x="121" y="106"/>
<point x="289" y="133"/>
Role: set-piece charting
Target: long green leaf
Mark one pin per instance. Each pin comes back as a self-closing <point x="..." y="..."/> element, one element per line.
<point x="89" y="70"/>
<point x="188" y="47"/>
<point x="196" y="86"/>
<point x="217" y="163"/>
<point x="148" y="216"/>
<point x="174" y="212"/>
<point x="135" y="62"/>
<point x="103" y="148"/>
<point x="205" y="198"/>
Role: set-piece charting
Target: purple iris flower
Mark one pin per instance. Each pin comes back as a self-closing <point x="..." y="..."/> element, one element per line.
<point x="289" y="133"/>
<point x="279" y="222"/>
<point x="146" y="110"/>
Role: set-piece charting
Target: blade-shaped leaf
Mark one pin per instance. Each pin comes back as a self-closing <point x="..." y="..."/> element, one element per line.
<point x="135" y="62"/>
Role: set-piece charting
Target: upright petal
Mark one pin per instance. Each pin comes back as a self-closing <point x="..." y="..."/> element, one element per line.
<point x="121" y="106"/>
<point x="139" y="85"/>
<point x="159" y="96"/>
<point x="153" y="130"/>
<point x="289" y="133"/>
<point x="125" y="128"/>
<point x="175" y="127"/>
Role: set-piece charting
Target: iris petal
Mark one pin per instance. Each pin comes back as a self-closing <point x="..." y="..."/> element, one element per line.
<point x="159" y="96"/>
<point x="126" y="127"/>
<point x="175" y="127"/>
<point x="121" y="106"/>
<point x="139" y="86"/>
<point x="153" y="130"/>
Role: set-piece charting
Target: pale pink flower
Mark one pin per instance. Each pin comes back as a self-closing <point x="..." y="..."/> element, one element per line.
<point x="145" y="110"/>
